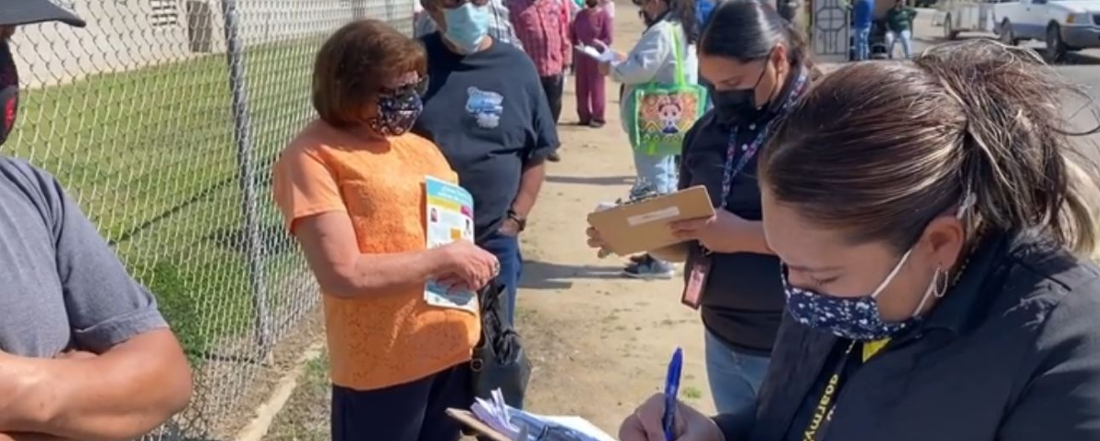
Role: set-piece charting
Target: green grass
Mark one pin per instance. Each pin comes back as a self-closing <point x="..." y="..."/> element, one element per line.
<point x="150" y="155"/>
<point x="306" y="415"/>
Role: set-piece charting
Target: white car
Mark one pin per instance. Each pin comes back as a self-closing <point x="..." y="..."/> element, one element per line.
<point x="1064" y="25"/>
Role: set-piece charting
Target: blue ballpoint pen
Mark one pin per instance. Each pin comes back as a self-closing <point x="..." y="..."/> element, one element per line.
<point x="672" y="388"/>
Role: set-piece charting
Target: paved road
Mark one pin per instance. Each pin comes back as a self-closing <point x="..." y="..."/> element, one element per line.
<point x="1081" y="68"/>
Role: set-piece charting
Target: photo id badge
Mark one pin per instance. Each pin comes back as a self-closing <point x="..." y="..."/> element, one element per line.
<point x="696" y="282"/>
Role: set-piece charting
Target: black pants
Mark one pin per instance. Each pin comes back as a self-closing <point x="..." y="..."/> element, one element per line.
<point x="554" y="86"/>
<point x="412" y="411"/>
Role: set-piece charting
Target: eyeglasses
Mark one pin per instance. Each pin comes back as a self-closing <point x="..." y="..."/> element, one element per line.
<point x="419" y="87"/>
<point x="451" y="4"/>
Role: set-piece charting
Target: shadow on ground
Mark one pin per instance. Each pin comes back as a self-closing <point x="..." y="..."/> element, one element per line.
<point x="591" y="180"/>
<point x="543" y="275"/>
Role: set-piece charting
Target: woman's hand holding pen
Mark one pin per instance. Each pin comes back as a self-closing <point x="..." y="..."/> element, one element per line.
<point x="645" y="423"/>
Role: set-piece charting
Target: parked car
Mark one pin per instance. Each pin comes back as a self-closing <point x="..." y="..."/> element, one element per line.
<point x="1064" y="25"/>
<point x="957" y="16"/>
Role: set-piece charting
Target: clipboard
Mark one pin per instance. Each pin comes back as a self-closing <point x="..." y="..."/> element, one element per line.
<point x="468" y="419"/>
<point x="644" y="226"/>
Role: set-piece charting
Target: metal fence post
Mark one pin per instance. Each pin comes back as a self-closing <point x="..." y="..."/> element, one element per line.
<point x="242" y="121"/>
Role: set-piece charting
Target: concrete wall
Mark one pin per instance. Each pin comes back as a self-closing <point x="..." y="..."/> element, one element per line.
<point x="129" y="34"/>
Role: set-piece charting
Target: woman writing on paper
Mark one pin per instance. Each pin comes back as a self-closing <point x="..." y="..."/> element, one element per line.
<point x="670" y="30"/>
<point x="936" y="228"/>
<point x="351" y="190"/>
<point x="759" y="66"/>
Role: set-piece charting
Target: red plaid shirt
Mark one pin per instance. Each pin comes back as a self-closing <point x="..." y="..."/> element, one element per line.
<point x="543" y="28"/>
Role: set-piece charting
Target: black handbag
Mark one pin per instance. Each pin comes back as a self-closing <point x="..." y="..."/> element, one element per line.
<point x="499" y="361"/>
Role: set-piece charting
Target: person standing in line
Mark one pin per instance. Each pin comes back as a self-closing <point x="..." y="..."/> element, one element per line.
<point x="84" y="351"/>
<point x="899" y="27"/>
<point x="862" y="19"/>
<point x="500" y="23"/>
<point x="653" y="60"/>
<point x="760" y="67"/>
<point x="489" y="116"/>
<point x="351" y="190"/>
<point x="543" y="27"/>
<point x="592" y="27"/>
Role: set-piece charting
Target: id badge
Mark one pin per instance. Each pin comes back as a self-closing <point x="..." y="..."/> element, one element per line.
<point x="696" y="282"/>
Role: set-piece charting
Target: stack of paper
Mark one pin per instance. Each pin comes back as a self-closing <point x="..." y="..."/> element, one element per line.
<point x="496" y="414"/>
<point x="519" y="425"/>
<point x="604" y="56"/>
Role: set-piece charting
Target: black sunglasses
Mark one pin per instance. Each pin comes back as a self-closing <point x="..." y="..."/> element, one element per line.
<point x="416" y="88"/>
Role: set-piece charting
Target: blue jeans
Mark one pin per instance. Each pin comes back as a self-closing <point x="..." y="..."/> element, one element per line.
<point x="906" y="39"/>
<point x="863" y="43"/>
<point x="734" y="376"/>
<point x="658" y="171"/>
<point x="506" y="249"/>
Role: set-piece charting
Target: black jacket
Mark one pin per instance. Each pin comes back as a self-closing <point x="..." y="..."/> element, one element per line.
<point x="1012" y="353"/>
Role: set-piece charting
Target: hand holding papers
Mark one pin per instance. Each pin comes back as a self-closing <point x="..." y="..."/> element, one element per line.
<point x="600" y="52"/>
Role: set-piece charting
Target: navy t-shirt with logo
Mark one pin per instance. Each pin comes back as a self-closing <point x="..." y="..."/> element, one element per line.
<point x="489" y="116"/>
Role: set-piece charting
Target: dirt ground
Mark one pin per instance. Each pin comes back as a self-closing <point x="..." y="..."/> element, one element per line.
<point x="600" y="343"/>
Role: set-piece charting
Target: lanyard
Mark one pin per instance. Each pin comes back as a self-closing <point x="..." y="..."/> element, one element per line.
<point x="823" y="412"/>
<point x="731" y="170"/>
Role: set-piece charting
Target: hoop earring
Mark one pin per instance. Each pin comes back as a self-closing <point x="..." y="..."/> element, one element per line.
<point x="940" y="287"/>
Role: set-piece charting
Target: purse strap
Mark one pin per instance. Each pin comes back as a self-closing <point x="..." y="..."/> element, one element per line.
<point x="679" y="57"/>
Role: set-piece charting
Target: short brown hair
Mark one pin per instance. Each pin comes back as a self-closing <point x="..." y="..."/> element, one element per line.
<point x="879" y="149"/>
<point x="355" y="64"/>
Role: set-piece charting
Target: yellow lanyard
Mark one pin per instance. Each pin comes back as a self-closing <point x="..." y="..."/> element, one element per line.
<point x="823" y="413"/>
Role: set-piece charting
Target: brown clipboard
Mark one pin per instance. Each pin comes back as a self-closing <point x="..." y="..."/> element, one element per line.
<point x="644" y="226"/>
<point x="469" y="420"/>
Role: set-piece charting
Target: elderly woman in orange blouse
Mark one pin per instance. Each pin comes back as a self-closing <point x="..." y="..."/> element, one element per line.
<point x="351" y="189"/>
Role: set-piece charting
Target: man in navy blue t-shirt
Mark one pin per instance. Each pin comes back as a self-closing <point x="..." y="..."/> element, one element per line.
<point x="487" y="112"/>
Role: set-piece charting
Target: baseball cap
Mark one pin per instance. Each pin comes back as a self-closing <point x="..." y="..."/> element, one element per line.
<point x="22" y="12"/>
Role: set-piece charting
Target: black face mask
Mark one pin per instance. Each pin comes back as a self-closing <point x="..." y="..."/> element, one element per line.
<point x="9" y="91"/>
<point x="738" y="104"/>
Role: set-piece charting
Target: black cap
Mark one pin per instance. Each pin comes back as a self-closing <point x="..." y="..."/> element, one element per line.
<point x="23" y="12"/>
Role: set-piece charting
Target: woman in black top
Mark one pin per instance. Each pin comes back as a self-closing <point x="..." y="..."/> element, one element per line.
<point x="758" y="66"/>
<point x="935" y="232"/>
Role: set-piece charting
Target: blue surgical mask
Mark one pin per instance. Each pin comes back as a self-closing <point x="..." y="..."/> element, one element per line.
<point x="858" y="318"/>
<point x="467" y="26"/>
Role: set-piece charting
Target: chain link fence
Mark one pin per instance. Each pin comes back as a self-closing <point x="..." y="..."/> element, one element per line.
<point x="162" y="118"/>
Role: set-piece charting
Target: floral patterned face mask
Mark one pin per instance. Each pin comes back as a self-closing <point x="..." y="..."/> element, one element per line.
<point x="398" y="108"/>
<point x="853" y="318"/>
<point x="858" y="318"/>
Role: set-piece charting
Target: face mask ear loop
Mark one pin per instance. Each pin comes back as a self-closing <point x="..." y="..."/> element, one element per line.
<point x="935" y="288"/>
<point x="893" y="273"/>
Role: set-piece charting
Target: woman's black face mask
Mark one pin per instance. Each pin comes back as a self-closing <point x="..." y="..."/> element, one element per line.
<point x="738" y="104"/>
<point x="9" y="91"/>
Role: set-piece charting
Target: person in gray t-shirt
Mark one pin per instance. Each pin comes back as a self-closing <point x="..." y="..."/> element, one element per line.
<point x="84" y="353"/>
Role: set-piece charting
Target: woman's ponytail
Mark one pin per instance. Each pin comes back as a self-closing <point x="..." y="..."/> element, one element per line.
<point x="879" y="149"/>
<point x="1017" y="158"/>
